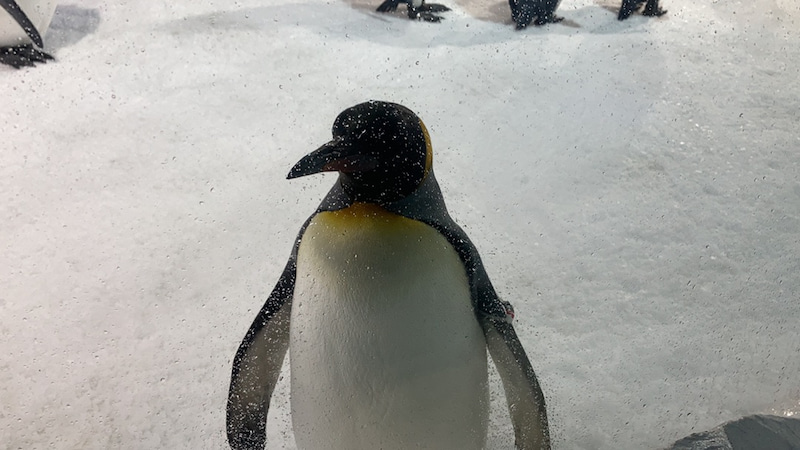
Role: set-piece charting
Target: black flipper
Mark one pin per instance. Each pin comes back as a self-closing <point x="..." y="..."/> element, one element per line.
<point x="19" y="16"/>
<point x="258" y="361"/>
<point x="22" y="56"/>
<point x="525" y="398"/>
<point x="257" y="365"/>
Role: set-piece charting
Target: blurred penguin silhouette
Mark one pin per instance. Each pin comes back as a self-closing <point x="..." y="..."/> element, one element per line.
<point x="22" y="24"/>
<point x="651" y="8"/>
<point x="417" y="9"/>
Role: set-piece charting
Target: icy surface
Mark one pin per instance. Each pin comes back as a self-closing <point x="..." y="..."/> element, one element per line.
<point x="634" y="188"/>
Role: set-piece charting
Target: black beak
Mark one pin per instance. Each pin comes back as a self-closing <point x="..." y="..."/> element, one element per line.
<point x="338" y="155"/>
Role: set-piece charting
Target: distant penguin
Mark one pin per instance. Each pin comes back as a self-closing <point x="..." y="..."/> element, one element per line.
<point x="386" y="309"/>
<point x="540" y="12"/>
<point x="651" y="8"/>
<point x="22" y="24"/>
<point x="417" y="9"/>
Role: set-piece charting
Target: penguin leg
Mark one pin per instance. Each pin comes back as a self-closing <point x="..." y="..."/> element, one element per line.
<point x="22" y="56"/>
<point x="629" y="7"/>
<point x="522" y="12"/>
<point x="652" y="9"/>
<point x="433" y="7"/>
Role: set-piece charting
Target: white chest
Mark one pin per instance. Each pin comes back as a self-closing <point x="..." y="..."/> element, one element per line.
<point x="386" y="351"/>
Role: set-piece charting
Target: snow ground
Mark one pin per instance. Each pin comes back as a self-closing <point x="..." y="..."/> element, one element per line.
<point x="634" y="189"/>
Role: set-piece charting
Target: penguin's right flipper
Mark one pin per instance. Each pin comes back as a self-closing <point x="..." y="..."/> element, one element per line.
<point x="22" y="56"/>
<point x="19" y="16"/>
<point x="257" y="365"/>
<point x="524" y="395"/>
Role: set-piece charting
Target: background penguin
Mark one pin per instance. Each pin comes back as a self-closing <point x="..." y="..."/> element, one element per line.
<point x="651" y="8"/>
<point x="22" y="24"/>
<point x="387" y="309"/>
<point x="523" y="12"/>
<point x="417" y="9"/>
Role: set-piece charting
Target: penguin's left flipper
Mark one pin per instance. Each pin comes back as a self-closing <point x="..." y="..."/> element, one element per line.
<point x="524" y="395"/>
<point x="22" y="56"/>
<point x="257" y="365"/>
<point x="19" y="16"/>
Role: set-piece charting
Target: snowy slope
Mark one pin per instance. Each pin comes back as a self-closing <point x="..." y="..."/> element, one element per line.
<point x="634" y="189"/>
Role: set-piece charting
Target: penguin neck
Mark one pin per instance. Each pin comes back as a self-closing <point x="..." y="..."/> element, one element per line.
<point x="425" y="203"/>
<point x="361" y="211"/>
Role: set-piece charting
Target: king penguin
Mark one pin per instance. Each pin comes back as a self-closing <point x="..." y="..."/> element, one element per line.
<point x="386" y="310"/>
<point x="22" y="24"/>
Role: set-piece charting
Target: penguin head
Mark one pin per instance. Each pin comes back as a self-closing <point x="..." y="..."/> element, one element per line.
<point x="381" y="150"/>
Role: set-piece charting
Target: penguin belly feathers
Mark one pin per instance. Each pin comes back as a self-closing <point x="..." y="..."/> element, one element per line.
<point x="386" y="310"/>
<point x="385" y="349"/>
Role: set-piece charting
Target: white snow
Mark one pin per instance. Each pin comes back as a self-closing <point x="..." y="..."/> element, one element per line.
<point x="634" y="189"/>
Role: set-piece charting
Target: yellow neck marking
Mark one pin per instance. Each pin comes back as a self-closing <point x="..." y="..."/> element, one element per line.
<point x="361" y="211"/>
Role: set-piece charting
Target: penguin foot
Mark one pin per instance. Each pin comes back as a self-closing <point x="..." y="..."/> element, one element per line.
<point x="524" y="20"/>
<point x="22" y="56"/>
<point x="654" y="12"/>
<point x="433" y="7"/>
<point x="521" y="16"/>
<point x="388" y="6"/>
<point x="549" y="18"/>
<point x="522" y="23"/>
<point x="629" y="7"/>
<point x="421" y="14"/>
